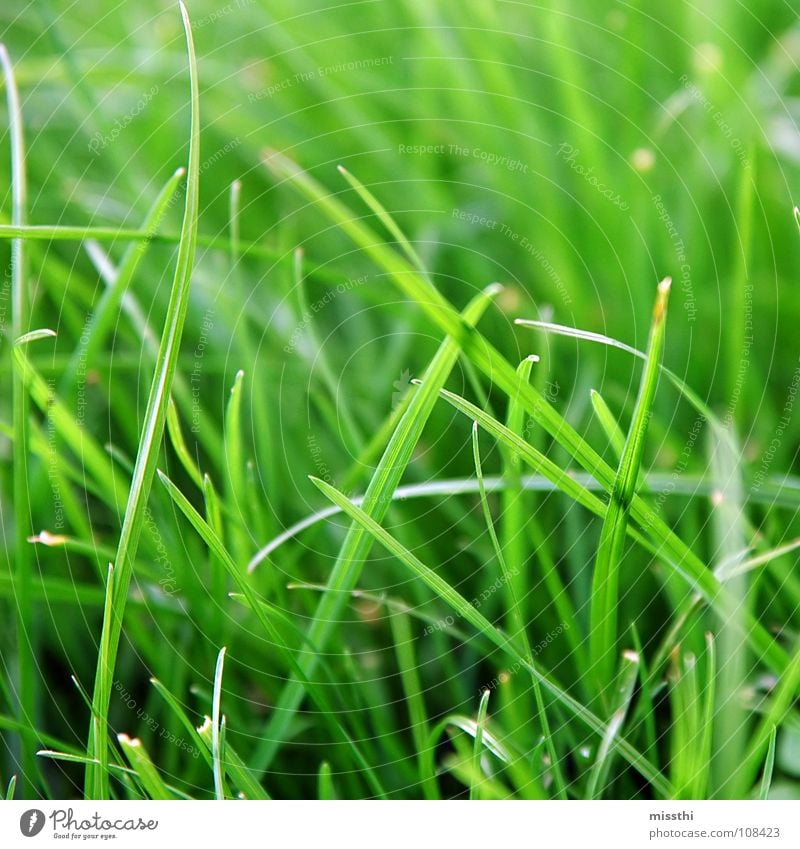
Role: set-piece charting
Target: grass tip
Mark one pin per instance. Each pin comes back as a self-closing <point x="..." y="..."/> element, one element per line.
<point x="665" y="285"/>
<point x="48" y="539"/>
<point x="493" y="289"/>
<point x="341" y="169"/>
<point x="416" y="381"/>
<point x="533" y="358"/>
<point x="34" y="335"/>
<point x="631" y="655"/>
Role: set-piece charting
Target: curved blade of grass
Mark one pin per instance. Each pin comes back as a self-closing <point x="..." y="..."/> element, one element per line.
<point x="357" y="544"/>
<point x="769" y="766"/>
<point x="518" y="622"/>
<point x="217" y="750"/>
<point x="325" y="788"/>
<point x="11" y="789"/>
<point x="458" y="603"/>
<point x="147" y="456"/>
<point x="477" y="747"/>
<point x="23" y="569"/>
<point x="605" y="580"/>
<point x="179" y="444"/>
<point x="215" y="544"/>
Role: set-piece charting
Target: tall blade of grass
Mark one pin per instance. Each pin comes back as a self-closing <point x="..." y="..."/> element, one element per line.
<point x="605" y="580"/>
<point x="518" y="622"/>
<point x="385" y="218"/>
<point x="477" y="747"/>
<point x="503" y="374"/>
<point x="769" y="766"/>
<point x="325" y="789"/>
<point x="233" y="766"/>
<point x="179" y="444"/>
<point x="414" y="695"/>
<point x="23" y="569"/>
<point x="738" y="318"/>
<point x="147" y="456"/>
<point x="235" y="472"/>
<point x="357" y="544"/>
<point x="11" y="789"/>
<point x="730" y="544"/>
<point x="217" y="751"/>
<point x="105" y="314"/>
<point x="660" y="540"/>
<point x="215" y="544"/>
<point x="626" y="680"/>
<point x="463" y="608"/>
<point x="610" y="425"/>
<point x="780" y="705"/>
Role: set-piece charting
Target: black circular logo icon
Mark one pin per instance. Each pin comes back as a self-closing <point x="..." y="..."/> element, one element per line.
<point x="31" y="822"/>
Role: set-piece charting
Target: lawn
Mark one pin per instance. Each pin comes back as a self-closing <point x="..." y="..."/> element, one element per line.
<point x="398" y="400"/>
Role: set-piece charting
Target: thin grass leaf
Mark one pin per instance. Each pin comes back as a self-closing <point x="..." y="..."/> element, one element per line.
<point x="769" y="766"/>
<point x="414" y="696"/>
<point x="459" y="604"/>
<point x="11" y="789"/>
<point x="610" y="425"/>
<point x="519" y="627"/>
<point x="147" y="456"/>
<point x="605" y="580"/>
<point x="26" y="635"/>
<point x="325" y="788"/>
<point x="144" y="768"/>
<point x="385" y="218"/>
<point x="217" y="752"/>
<point x="620" y="704"/>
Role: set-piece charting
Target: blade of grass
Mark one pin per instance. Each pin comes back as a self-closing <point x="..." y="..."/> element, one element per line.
<point x="477" y="747"/>
<point x="144" y="768"/>
<point x="769" y="766"/>
<point x="626" y="680"/>
<point x="605" y="581"/>
<point x="357" y="543"/>
<point x="415" y="700"/>
<point x="26" y="638"/>
<point x="518" y="621"/>
<point x="147" y="456"/>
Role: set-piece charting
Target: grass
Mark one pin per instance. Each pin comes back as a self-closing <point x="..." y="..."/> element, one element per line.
<point x="341" y="446"/>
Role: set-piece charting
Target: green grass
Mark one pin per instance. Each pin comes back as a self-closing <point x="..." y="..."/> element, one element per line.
<point x="340" y="444"/>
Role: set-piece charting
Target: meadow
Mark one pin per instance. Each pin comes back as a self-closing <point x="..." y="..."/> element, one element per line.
<point x="397" y="400"/>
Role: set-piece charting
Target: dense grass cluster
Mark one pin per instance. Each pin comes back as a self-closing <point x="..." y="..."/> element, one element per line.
<point x="399" y="402"/>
